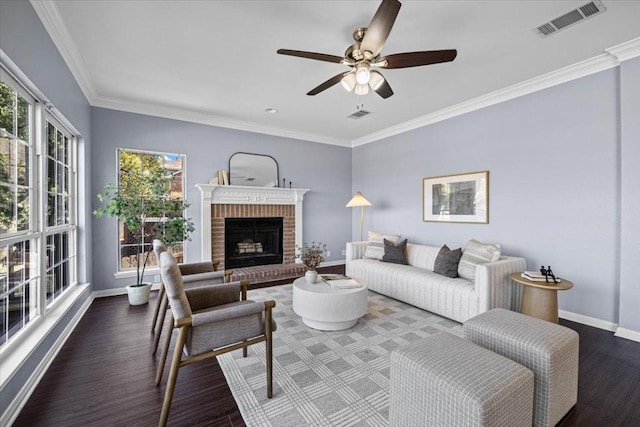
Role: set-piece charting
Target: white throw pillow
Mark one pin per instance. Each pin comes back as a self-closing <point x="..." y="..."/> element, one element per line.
<point x="475" y="253"/>
<point x="375" y="245"/>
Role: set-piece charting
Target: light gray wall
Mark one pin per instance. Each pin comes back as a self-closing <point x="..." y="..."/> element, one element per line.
<point x="630" y="192"/>
<point x="26" y="42"/>
<point x="323" y="169"/>
<point x="554" y="184"/>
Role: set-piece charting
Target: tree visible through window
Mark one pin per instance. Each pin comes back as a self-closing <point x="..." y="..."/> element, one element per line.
<point x="134" y="166"/>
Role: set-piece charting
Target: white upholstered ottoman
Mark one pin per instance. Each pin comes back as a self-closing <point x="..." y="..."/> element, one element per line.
<point x="548" y="349"/>
<point x="444" y="380"/>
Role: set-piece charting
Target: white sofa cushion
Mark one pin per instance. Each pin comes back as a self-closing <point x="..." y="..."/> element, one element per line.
<point x="422" y="256"/>
<point x="452" y="298"/>
<point x="475" y="253"/>
<point x="375" y="244"/>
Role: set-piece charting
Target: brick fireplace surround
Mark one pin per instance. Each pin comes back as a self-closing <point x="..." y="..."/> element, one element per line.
<point x="231" y="201"/>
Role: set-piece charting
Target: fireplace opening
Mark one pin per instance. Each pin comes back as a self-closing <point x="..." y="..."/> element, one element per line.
<point x="252" y="241"/>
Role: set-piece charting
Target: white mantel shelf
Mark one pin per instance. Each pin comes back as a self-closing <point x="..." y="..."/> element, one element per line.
<point x="244" y="195"/>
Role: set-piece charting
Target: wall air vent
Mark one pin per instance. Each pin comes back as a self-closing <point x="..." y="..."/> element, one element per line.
<point x="358" y="114"/>
<point x="561" y="22"/>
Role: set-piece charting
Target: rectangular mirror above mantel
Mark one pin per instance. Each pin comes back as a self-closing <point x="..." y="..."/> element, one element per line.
<point x="218" y="202"/>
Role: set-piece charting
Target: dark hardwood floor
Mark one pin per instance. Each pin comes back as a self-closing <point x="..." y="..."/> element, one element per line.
<point x="104" y="376"/>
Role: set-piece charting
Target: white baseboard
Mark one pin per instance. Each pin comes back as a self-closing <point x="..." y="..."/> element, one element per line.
<point x="589" y="321"/>
<point x="14" y="408"/>
<point x="628" y="334"/>
<point x="600" y="324"/>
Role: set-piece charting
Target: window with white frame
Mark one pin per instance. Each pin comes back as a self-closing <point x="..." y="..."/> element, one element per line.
<point x="37" y="209"/>
<point x="130" y="164"/>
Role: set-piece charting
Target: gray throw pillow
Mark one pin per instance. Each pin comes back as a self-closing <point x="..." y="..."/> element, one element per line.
<point x="395" y="253"/>
<point x="447" y="262"/>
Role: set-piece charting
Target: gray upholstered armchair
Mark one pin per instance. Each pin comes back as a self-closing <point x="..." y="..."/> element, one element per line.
<point x="194" y="274"/>
<point x="211" y="320"/>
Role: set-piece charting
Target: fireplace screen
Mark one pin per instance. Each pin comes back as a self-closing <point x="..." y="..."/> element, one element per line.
<point x="252" y="241"/>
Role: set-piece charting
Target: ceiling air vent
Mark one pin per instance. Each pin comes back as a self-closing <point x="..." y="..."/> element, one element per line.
<point x="561" y="22"/>
<point x="358" y="114"/>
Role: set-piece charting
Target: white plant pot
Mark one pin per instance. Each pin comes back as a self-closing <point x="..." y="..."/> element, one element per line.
<point x="311" y="276"/>
<point x="139" y="295"/>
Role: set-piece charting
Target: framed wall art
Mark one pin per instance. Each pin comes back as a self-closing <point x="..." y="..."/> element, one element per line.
<point x="456" y="198"/>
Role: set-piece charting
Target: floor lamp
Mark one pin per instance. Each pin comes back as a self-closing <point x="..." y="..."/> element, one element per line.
<point x="358" y="201"/>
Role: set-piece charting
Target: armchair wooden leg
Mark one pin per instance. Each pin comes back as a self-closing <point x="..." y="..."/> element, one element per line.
<point x="163" y="354"/>
<point x="269" y="352"/>
<point x="173" y="376"/>
<point x="244" y="350"/>
<point x="162" y="315"/>
<point x="156" y="311"/>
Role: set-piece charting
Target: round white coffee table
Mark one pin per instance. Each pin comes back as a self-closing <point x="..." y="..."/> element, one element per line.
<point x="327" y="309"/>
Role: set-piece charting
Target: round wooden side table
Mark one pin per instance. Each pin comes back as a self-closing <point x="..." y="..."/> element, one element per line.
<point x="540" y="299"/>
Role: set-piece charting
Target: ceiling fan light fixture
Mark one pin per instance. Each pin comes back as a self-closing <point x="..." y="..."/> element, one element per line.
<point x="349" y="82"/>
<point x="362" y="74"/>
<point x="362" y="89"/>
<point x="376" y="80"/>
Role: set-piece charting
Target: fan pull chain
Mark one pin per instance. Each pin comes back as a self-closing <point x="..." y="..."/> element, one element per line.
<point x="360" y="104"/>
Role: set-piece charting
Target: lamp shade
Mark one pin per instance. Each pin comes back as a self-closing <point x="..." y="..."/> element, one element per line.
<point x="357" y="201"/>
<point x="349" y="82"/>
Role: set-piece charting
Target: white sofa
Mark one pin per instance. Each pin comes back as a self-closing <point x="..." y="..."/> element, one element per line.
<point x="416" y="284"/>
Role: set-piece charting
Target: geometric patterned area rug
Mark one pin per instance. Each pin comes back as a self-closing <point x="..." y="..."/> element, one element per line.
<point x="323" y="378"/>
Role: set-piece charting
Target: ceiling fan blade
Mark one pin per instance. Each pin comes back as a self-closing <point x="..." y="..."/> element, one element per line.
<point x="326" y="85"/>
<point x="380" y="84"/>
<point x="311" y="55"/>
<point x="380" y="27"/>
<point x="415" y="59"/>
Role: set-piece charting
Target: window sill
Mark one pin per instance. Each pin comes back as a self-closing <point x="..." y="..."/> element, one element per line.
<point x="151" y="274"/>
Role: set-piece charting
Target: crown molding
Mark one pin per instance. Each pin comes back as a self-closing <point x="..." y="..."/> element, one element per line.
<point x="50" y="17"/>
<point x="625" y="51"/>
<point x="209" y="119"/>
<point x="581" y="69"/>
<point x="52" y="20"/>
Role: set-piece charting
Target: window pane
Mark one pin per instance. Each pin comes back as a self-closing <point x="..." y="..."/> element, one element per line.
<point x="58" y="277"/>
<point x="51" y="209"/>
<point x="7" y="210"/>
<point x="23" y="205"/>
<point x="23" y="164"/>
<point x="7" y="102"/>
<point x="15" y="310"/>
<point x="17" y="289"/>
<point x="60" y="216"/>
<point x="23" y="119"/>
<point x="5" y="169"/>
<point x="60" y="146"/>
<point x="65" y="182"/>
<point x="59" y="178"/>
<point x="4" y="269"/>
<point x="51" y="176"/>
<point x="51" y="140"/>
<point x="67" y="147"/>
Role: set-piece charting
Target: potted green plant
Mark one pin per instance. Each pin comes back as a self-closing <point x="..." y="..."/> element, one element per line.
<point x="311" y="256"/>
<point x="142" y="201"/>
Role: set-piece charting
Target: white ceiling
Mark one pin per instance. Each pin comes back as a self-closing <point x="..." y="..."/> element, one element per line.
<point x="215" y="61"/>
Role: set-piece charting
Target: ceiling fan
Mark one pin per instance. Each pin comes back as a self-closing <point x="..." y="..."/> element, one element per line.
<point x="365" y="53"/>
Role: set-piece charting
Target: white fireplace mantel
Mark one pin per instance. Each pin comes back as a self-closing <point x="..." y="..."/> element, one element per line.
<point x="243" y="195"/>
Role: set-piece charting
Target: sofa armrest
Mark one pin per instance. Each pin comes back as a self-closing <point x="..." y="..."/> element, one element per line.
<point x="355" y="250"/>
<point x="494" y="287"/>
